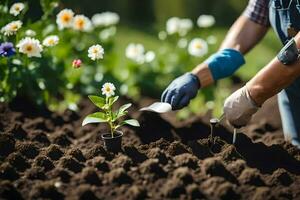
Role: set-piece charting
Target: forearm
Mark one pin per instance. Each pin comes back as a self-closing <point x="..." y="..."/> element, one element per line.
<point x="273" y="78"/>
<point x="235" y="39"/>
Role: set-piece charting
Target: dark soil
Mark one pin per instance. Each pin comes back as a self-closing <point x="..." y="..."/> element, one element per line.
<point x="45" y="155"/>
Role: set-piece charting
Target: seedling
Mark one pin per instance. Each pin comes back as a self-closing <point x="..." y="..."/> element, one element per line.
<point x="234" y="136"/>
<point x="213" y="122"/>
<point x="106" y="114"/>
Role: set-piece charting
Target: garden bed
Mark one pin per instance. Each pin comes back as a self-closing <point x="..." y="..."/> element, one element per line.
<point x="47" y="155"/>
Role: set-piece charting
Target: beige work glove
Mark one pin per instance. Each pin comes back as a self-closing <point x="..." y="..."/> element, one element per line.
<point x="239" y="108"/>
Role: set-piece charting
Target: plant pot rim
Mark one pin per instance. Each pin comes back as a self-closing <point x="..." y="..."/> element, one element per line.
<point x="107" y="136"/>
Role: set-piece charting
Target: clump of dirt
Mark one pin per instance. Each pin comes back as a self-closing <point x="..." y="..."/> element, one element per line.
<point x="71" y="164"/>
<point x="100" y="163"/>
<point x="7" y="144"/>
<point x="44" y="162"/>
<point x="77" y="154"/>
<point x="54" y="152"/>
<point x="186" y="159"/>
<point x="176" y="148"/>
<point x="36" y="173"/>
<point x="118" y="176"/>
<point x="46" y="155"/>
<point x="7" y="172"/>
<point x="28" y="149"/>
<point x="18" y="161"/>
<point x="46" y="189"/>
<point x="251" y="177"/>
<point x="215" y="167"/>
<point x="152" y="167"/>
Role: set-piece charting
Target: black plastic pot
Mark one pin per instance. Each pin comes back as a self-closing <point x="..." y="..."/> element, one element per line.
<point x="113" y="144"/>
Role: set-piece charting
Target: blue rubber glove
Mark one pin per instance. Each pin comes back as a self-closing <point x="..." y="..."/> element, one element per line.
<point x="181" y="91"/>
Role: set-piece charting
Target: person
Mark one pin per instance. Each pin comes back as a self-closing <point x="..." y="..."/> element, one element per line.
<point x="281" y="75"/>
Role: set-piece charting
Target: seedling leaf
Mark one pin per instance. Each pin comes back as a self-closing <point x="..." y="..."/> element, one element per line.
<point x="131" y="122"/>
<point x="124" y="107"/>
<point x="96" y="117"/>
<point x="98" y="101"/>
<point x="112" y="100"/>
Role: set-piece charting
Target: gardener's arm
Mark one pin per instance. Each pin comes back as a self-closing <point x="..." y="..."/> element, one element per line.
<point x="242" y="36"/>
<point x="273" y="78"/>
<point x="242" y="104"/>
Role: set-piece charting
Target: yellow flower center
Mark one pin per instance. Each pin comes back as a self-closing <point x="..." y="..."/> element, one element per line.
<point x="107" y="89"/>
<point x="80" y="23"/>
<point x="29" y="48"/>
<point x="198" y="46"/>
<point x="17" y="8"/>
<point x="95" y="51"/>
<point x="66" y="18"/>
<point x="51" y="41"/>
<point x="14" y="27"/>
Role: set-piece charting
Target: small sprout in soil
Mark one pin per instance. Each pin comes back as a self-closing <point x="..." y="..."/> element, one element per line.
<point x="213" y="123"/>
<point x="106" y="113"/>
<point x="234" y="136"/>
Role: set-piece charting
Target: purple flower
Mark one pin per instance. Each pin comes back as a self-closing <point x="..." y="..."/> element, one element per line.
<point x="7" y="49"/>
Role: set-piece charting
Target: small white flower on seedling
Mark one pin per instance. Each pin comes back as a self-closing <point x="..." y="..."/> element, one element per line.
<point x="105" y="19"/>
<point x="30" y="46"/>
<point x="82" y="23"/>
<point x="205" y="21"/>
<point x="108" y="89"/>
<point x="96" y="52"/>
<point x="16" y="8"/>
<point x="11" y="28"/>
<point x="106" y="113"/>
<point x="197" y="47"/>
<point x="64" y="19"/>
<point x="51" y="41"/>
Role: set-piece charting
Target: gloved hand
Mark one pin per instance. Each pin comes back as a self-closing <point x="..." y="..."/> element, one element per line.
<point x="181" y="91"/>
<point x="239" y="107"/>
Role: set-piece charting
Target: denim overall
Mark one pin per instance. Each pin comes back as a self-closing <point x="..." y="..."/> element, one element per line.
<point x="284" y="17"/>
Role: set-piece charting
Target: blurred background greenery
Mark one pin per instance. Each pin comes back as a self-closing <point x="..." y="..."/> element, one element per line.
<point x="142" y="20"/>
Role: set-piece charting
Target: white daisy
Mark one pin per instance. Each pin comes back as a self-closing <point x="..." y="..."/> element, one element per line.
<point x="197" y="47"/>
<point x="82" y="23"/>
<point x="16" y="8"/>
<point x="182" y="43"/>
<point x="180" y="26"/>
<point x="211" y="39"/>
<point x="30" y="33"/>
<point x="108" y="89"/>
<point x="105" y="19"/>
<point x="64" y="18"/>
<point x="149" y="56"/>
<point x="51" y="41"/>
<point x="11" y="28"/>
<point x="172" y="25"/>
<point x="30" y="46"/>
<point x="205" y="21"/>
<point x="96" y="52"/>
<point x="135" y="52"/>
<point x="185" y="25"/>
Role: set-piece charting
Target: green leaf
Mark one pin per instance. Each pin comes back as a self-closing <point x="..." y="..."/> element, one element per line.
<point x="124" y="107"/>
<point x="131" y="122"/>
<point x="96" y="117"/>
<point x="112" y="100"/>
<point x="98" y="101"/>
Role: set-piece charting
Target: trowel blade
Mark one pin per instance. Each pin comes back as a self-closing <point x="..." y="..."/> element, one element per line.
<point x="158" y="107"/>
